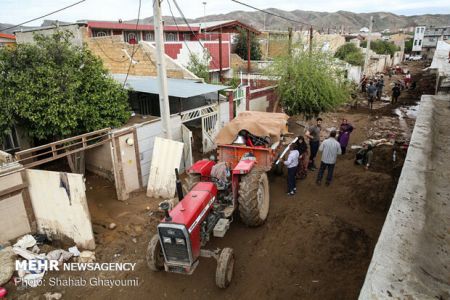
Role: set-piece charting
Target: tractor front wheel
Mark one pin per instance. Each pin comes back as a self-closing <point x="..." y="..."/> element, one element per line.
<point x="155" y="256"/>
<point x="225" y="266"/>
<point x="254" y="198"/>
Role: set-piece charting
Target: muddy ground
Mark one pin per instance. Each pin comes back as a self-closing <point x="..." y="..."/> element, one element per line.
<point x="315" y="245"/>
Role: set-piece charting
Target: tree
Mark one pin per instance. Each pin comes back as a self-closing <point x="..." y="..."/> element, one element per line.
<point x="55" y="90"/>
<point x="350" y="54"/>
<point x="309" y="83"/>
<point x="381" y="47"/>
<point x="199" y="65"/>
<point x="408" y="46"/>
<point x="241" y="46"/>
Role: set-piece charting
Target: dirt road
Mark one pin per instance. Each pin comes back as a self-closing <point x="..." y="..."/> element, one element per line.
<point x="316" y="245"/>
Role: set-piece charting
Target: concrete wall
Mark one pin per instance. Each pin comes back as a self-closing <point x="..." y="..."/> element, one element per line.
<point x="99" y="161"/>
<point x="60" y="206"/>
<point x="76" y="30"/>
<point x="17" y="217"/>
<point x="411" y="259"/>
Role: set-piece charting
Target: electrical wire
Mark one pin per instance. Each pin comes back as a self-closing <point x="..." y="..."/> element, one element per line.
<point x="190" y="28"/>
<point x="134" y="45"/>
<point x="46" y="15"/>
<point x="176" y="24"/>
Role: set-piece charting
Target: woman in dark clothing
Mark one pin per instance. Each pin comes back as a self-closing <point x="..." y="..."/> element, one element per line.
<point x="344" y="134"/>
<point x="302" y="148"/>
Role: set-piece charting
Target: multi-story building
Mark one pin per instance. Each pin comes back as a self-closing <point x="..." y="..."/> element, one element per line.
<point x="426" y="38"/>
<point x="7" y="39"/>
<point x="418" y="39"/>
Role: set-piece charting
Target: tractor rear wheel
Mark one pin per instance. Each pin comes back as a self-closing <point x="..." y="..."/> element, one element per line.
<point x="254" y="198"/>
<point x="155" y="256"/>
<point x="189" y="181"/>
<point x="225" y="266"/>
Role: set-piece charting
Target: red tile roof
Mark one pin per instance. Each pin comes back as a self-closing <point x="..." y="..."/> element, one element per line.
<point x="7" y="36"/>
<point x="128" y="26"/>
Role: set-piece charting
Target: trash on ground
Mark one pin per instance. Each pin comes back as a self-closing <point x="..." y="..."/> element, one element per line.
<point x="25" y="242"/>
<point x="86" y="256"/>
<point x="74" y="250"/>
<point x="112" y="226"/>
<point x="52" y="296"/>
<point x="59" y="255"/>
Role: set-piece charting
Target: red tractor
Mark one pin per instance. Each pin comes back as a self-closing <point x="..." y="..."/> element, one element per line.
<point x="247" y="148"/>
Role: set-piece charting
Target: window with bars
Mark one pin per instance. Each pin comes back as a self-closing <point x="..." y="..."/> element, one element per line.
<point x="131" y="37"/>
<point x="149" y="36"/>
<point x="99" y="33"/>
<point x="171" y="37"/>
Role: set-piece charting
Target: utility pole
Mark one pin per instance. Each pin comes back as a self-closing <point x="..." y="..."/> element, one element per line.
<point x="161" y="69"/>
<point x="290" y="41"/>
<point x="204" y="11"/>
<point x="366" y="60"/>
<point x="310" y="39"/>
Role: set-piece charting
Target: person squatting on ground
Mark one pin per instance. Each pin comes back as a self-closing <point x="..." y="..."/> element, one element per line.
<point x="302" y="148"/>
<point x="344" y="134"/>
<point x="313" y="134"/>
<point x="371" y="94"/>
<point x="330" y="149"/>
<point x="291" y="163"/>
<point x="395" y="93"/>
<point x="364" y="156"/>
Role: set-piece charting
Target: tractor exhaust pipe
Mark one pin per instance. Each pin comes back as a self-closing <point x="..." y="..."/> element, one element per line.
<point x="165" y="207"/>
<point x="179" y="186"/>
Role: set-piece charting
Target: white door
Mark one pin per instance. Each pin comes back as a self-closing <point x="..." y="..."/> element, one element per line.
<point x="187" y="151"/>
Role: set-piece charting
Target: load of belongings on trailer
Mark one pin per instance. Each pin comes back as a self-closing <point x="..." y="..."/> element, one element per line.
<point x="254" y="128"/>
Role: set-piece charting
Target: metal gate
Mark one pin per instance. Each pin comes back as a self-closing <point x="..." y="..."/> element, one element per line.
<point x="239" y="99"/>
<point x="186" y="135"/>
<point x="209" y="116"/>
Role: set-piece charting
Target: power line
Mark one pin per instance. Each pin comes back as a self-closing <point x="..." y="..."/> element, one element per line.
<point x="272" y="14"/>
<point x="46" y="15"/>
<point x="190" y="28"/>
<point x="176" y="24"/>
<point x="134" y="45"/>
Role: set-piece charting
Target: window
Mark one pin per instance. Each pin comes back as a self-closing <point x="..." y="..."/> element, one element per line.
<point x="131" y="37"/>
<point x="149" y="36"/>
<point x="422" y="29"/>
<point x="417" y="30"/>
<point x="10" y="142"/>
<point x="415" y="42"/>
<point x="187" y="36"/>
<point x="171" y="37"/>
<point x="100" y="33"/>
<point x="420" y="42"/>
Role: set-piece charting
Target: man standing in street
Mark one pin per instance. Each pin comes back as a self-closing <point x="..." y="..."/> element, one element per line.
<point x="292" y="163"/>
<point x="313" y="133"/>
<point x="330" y="149"/>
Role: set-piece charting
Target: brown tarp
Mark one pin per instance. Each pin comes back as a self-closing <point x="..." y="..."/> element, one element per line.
<point x="257" y="123"/>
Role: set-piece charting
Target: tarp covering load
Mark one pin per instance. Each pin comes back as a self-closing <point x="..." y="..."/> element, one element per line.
<point x="261" y="124"/>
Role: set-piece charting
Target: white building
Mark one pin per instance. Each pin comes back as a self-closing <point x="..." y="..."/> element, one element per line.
<point x="418" y="39"/>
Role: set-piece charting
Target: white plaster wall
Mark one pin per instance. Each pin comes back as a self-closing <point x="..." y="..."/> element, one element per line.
<point x="14" y="220"/>
<point x="224" y="113"/>
<point x="259" y="104"/>
<point x="58" y="214"/>
<point x="27" y="36"/>
<point x="99" y="161"/>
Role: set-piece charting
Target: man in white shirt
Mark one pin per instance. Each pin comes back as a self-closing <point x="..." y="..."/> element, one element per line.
<point x="330" y="149"/>
<point x="292" y="163"/>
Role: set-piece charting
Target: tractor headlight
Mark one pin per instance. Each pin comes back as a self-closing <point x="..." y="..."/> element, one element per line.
<point x="180" y="242"/>
<point x="167" y="240"/>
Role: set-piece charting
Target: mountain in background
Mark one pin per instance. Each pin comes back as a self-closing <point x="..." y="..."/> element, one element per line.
<point x="350" y="21"/>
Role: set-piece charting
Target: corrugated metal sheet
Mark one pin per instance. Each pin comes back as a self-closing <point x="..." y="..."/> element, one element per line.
<point x="146" y="139"/>
<point x="166" y="157"/>
<point x="181" y="88"/>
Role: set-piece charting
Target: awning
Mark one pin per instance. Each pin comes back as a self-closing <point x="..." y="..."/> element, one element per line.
<point x="181" y="88"/>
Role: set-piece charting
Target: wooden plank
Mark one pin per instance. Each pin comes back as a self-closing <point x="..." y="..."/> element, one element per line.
<point x="43" y="161"/>
<point x="27" y="203"/>
<point x="12" y="190"/>
<point x="20" y="153"/>
<point x="138" y="158"/>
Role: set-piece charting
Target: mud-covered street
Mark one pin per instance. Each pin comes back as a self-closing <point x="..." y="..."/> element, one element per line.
<point x="315" y="245"/>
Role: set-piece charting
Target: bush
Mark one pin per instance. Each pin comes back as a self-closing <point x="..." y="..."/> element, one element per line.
<point x="381" y="47"/>
<point x="350" y="54"/>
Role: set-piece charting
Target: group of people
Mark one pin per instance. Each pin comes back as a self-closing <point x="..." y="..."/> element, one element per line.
<point x="300" y="160"/>
<point x="373" y="87"/>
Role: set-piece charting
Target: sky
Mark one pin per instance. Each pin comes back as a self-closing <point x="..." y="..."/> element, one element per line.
<point x="15" y="11"/>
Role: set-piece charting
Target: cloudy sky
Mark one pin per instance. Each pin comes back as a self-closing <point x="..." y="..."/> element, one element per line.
<point x="15" y="11"/>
